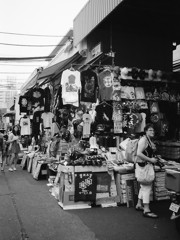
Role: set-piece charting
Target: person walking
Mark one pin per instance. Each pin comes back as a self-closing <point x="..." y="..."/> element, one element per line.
<point x="4" y="152"/>
<point x="14" y="148"/>
<point x="146" y="155"/>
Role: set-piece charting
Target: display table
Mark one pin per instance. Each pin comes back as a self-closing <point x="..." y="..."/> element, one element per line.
<point x="84" y="186"/>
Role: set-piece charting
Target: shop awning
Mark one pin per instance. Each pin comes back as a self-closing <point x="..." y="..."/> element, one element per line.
<point x="9" y="114"/>
<point x="92" y="60"/>
<point x="57" y="68"/>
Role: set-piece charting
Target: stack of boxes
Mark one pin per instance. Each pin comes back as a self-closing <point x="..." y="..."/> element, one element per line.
<point x="160" y="191"/>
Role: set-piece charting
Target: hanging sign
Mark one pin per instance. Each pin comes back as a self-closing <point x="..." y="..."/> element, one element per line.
<point x="96" y="50"/>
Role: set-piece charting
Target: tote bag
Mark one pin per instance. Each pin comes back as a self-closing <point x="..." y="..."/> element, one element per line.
<point x="145" y="175"/>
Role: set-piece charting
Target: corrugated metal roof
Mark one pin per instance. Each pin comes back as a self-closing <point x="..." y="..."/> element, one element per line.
<point x="90" y="16"/>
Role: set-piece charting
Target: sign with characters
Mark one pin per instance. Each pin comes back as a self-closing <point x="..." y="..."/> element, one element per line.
<point x="85" y="186"/>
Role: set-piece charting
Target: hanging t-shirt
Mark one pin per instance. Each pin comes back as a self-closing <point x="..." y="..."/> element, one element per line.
<point x="104" y="114"/>
<point x="36" y="123"/>
<point x="25" y="125"/>
<point x="23" y="104"/>
<point x="47" y="118"/>
<point x="89" y="84"/>
<point x="37" y="97"/>
<point x="47" y="103"/>
<point x="71" y="85"/>
<point x="106" y="85"/>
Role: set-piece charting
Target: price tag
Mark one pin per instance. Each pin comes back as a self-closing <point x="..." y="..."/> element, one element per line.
<point x="174" y="207"/>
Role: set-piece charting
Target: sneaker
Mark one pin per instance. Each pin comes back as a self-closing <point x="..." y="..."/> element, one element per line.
<point x="14" y="169"/>
<point x="10" y="169"/>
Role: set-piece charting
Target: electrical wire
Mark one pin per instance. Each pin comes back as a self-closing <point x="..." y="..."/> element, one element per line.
<point x="47" y="58"/>
<point x="24" y="45"/>
<point x="32" y="35"/>
<point x="15" y="72"/>
<point x="19" y="65"/>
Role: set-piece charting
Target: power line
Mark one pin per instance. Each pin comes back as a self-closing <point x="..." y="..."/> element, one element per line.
<point x="32" y="35"/>
<point x="19" y="65"/>
<point x="46" y="58"/>
<point x="24" y="45"/>
<point x="15" y="72"/>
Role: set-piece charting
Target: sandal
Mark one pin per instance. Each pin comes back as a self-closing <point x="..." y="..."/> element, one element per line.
<point x="139" y="208"/>
<point x="150" y="215"/>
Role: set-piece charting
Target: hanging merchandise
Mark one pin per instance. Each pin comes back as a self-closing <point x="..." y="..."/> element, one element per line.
<point x="104" y="113"/>
<point x="106" y="85"/>
<point x="23" y="104"/>
<point x="36" y="124"/>
<point x="47" y="102"/>
<point x="25" y="125"/>
<point x="127" y="92"/>
<point x="89" y="83"/>
<point x="154" y="108"/>
<point x="86" y="125"/>
<point x="71" y="85"/>
<point x="47" y="118"/>
<point x="139" y="128"/>
<point x="156" y="95"/>
<point x="37" y="97"/>
<point x="139" y="93"/>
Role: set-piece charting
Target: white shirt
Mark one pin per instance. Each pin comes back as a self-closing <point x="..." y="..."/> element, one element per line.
<point x="25" y="126"/>
<point x="47" y="118"/>
<point x="71" y="85"/>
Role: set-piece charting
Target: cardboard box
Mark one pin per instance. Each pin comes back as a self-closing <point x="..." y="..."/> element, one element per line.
<point x="90" y="169"/>
<point x="108" y="200"/>
<point x="172" y="180"/>
<point x="66" y="201"/>
<point x="62" y="168"/>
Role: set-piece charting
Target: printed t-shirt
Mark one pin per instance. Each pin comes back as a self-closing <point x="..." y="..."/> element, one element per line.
<point x="25" y="126"/>
<point x="37" y="97"/>
<point x="89" y="84"/>
<point x="106" y="84"/>
<point x="104" y="113"/>
<point x="23" y="104"/>
<point x="71" y="84"/>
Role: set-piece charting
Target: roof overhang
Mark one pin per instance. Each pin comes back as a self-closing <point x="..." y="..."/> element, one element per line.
<point x="150" y="17"/>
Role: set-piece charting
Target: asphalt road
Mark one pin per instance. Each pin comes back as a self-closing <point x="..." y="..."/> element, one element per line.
<point x="28" y="211"/>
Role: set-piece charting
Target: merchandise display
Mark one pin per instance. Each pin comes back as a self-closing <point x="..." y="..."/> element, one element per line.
<point x="95" y="113"/>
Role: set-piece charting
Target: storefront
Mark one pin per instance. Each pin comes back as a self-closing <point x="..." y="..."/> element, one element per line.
<point x="121" y="80"/>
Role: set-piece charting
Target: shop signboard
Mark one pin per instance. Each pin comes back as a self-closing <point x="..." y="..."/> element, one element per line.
<point x="85" y="186"/>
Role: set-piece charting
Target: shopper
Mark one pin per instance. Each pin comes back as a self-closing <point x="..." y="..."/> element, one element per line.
<point x="145" y="153"/>
<point x="14" y="148"/>
<point x="4" y="152"/>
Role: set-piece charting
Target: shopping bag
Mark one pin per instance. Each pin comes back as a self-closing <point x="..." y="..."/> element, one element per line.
<point x="146" y="174"/>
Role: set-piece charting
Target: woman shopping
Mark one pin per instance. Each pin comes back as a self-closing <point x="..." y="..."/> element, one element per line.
<point x="145" y="158"/>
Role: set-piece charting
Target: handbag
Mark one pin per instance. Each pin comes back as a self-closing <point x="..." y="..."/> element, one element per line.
<point x="145" y="175"/>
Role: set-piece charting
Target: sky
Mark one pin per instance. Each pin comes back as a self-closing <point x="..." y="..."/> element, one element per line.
<point x="32" y="17"/>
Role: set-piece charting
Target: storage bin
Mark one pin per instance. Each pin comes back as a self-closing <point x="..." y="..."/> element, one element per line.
<point x="172" y="180"/>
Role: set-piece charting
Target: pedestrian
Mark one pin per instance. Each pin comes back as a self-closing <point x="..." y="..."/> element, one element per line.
<point x="146" y="155"/>
<point x="1" y="149"/>
<point x="4" y="152"/>
<point x="14" y="148"/>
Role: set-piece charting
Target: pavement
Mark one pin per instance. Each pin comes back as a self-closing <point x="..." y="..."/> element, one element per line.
<point x="28" y="211"/>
